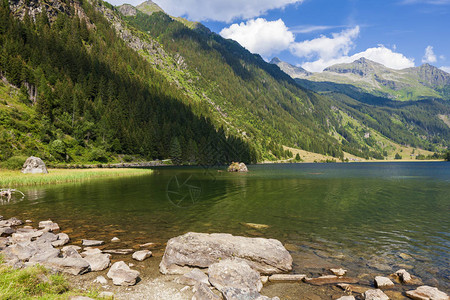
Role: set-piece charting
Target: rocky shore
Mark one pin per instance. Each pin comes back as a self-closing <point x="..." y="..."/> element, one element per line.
<point x="193" y="266"/>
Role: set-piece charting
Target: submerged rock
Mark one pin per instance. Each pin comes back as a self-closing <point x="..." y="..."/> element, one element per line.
<point x="338" y="272"/>
<point x="267" y="256"/>
<point x="330" y="279"/>
<point x="34" y="165"/>
<point x="91" y="243"/>
<point x="286" y="277"/>
<point x="425" y="292"/>
<point x="121" y="274"/>
<point x="404" y="276"/>
<point x="237" y="167"/>
<point x="119" y="251"/>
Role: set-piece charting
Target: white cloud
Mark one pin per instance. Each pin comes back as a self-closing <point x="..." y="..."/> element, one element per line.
<point x="445" y="69"/>
<point x="433" y="2"/>
<point x="378" y="54"/>
<point x="429" y="56"/>
<point x="220" y="10"/>
<point x="260" y="36"/>
<point x="312" y="28"/>
<point x="327" y="48"/>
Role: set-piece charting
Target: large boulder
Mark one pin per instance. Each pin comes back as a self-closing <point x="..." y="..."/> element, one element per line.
<point x="426" y="292"/>
<point x="73" y="266"/>
<point x="267" y="256"/>
<point x="34" y="165"/>
<point x="237" y="167"/>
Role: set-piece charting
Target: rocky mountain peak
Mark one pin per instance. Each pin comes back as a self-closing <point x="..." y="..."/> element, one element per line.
<point x="362" y="67"/>
<point x="127" y="10"/>
<point x="149" y="7"/>
<point x="291" y="70"/>
<point x="431" y="76"/>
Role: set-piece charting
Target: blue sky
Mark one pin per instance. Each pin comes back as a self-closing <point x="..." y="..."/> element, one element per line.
<point x="318" y="33"/>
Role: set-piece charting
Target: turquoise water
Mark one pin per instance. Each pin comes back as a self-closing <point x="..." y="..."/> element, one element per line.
<point x="370" y="218"/>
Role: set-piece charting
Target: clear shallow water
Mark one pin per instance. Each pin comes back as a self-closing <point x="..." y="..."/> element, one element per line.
<point x="363" y="217"/>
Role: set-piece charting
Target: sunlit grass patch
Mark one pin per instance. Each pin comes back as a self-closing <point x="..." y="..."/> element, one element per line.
<point x="10" y="178"/>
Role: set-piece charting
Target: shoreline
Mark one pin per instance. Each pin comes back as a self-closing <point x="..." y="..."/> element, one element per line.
<point x="153" y="283"/>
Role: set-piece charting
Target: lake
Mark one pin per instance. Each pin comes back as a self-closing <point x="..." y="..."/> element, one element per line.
<point x="370" y="218"/>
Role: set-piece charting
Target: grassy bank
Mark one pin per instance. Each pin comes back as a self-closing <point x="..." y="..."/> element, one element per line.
<point x="35" y="283"/>
<point x="10" y="178"/>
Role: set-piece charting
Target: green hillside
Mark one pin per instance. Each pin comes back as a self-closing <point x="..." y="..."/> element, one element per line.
<point x="93" y="82"/>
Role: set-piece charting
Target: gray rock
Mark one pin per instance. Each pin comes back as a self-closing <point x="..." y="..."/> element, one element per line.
<point x="115" y="240"/>
<point x="383" y="282"/>
<point x="61" y="241"/>
<point x="98" y="262"/>
<point x="230" y="293"/>
<point x="119" y="251"/>
<point x="121" y="274"/>
<point x="48" y="226"/>
<point x="25" y="237"/>
<point x="10" y="222"/>
<point x="338" y="272"/>
<point x="90" y="251"/>
<point x="43" y="256"/>
<point x="74" y="247"/>
<point x="6" y="231"/>
<point x="47" y="237"/>
<point x="375" y="295"/>
<point x="71" y="251"/>
<point x="142" y="255"/>
<point x="74" y="266"/>
<point x="404" y="276"/>
<point x="34" y="165"/>
<point x="286" y="277"/>
<point x="237" y="167"/>
<point x="91" y="243"/>
<point x="346" y="298"/>
<point x="234" y="275"/>
<point x="426" y="292"/>
<point x="203" y="292"/>
<point x="267" y="256"/>
<point x="100" y="279"/>
<point x="79" y="298"/>
<point x="193" y="278"/>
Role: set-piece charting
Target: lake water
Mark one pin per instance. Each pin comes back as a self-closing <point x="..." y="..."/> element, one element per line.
<point x="370" y="218"/>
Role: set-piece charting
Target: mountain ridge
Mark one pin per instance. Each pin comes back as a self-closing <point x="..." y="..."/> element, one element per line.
<point x="425" y="81"/>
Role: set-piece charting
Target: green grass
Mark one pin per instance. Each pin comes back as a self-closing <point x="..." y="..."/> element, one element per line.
<point x="10" y="178"/>
<point x="35" y="283"/>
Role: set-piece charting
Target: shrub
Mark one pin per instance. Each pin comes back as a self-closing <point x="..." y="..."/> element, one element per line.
<point x="398" y="156"/>
<point x="14" y="163"/>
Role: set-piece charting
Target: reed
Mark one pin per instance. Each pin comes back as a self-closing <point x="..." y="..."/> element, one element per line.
<point x="10" y="178"/>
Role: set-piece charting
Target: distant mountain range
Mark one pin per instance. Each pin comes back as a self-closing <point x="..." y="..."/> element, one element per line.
<point x="416" y="83"/>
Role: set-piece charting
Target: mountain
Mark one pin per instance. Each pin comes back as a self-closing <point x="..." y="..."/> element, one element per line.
<point x="417" y="83"/>
<point x="293" y="71"/>
<point x="87" y="81"/>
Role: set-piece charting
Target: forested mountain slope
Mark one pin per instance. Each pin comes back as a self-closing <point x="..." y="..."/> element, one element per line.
<point x="95" y="81"/>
